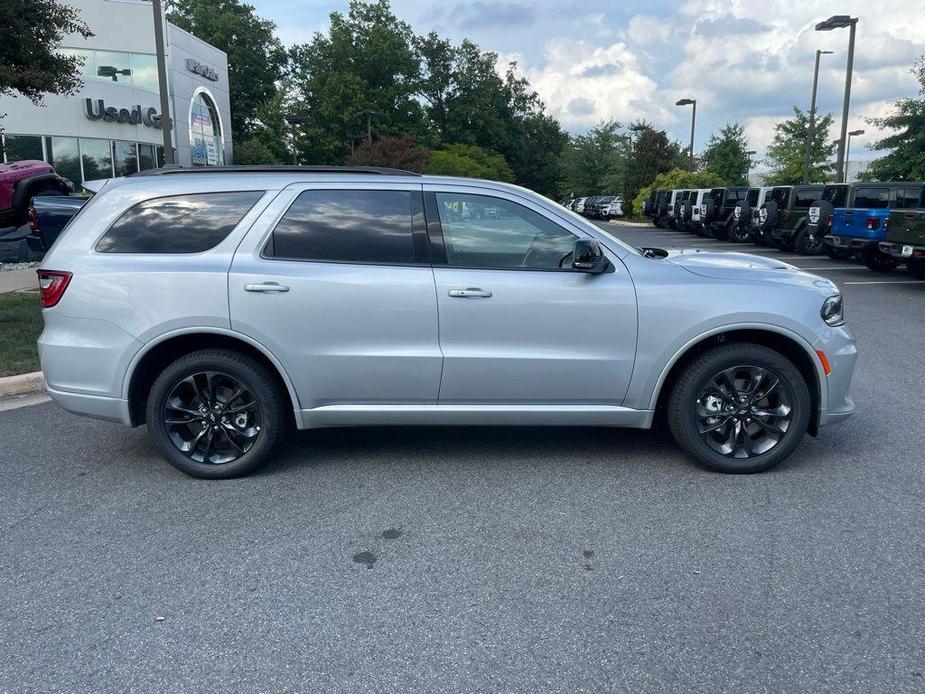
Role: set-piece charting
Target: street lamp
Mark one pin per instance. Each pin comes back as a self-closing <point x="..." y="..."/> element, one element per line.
<point x="368" y="115"/>
<point x="840" y="21"/>
<point x="812" y="118"/>
<point x="690" y="102"/>
<point x="749" y="153"/>
<point x="295" y="120"/>
<point x="848" y="149"/>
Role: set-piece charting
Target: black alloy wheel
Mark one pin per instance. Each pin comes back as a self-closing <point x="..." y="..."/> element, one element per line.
<point x="211" y="417"/>
<point x="744" y="411"/>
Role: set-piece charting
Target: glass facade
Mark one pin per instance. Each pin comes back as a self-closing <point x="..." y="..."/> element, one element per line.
<point x="137" y="70"/>
<point x="84" y="159"/>
<point x="206" y="139"/>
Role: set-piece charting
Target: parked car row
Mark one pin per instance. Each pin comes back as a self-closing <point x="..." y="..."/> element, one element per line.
<point x="880" y="224"/>
<point x="597" y="206"/>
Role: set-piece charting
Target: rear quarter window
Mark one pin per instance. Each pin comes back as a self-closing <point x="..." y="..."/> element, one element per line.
<point x="872" y="198"/>
<point x="806" y="198"/>
<point x="178" y="223"/>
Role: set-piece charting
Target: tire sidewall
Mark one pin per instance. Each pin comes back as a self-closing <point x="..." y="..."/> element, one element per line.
<point x="245" y="370"/>
<point x="682" y="419"/>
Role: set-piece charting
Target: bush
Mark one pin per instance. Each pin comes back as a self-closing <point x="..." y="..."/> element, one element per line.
<point x="394" y="152"/>
<point x="677" y="178"/>
<point x="469" y="161"/>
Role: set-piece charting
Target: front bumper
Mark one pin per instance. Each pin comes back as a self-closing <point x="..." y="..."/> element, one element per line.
<point x="842" y="353"/>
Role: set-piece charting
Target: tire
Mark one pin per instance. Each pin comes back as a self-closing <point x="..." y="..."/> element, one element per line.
<point x="686" y="397"/>
<point x="916" y="268"/>
<point x="806" y="243"/>
<point x="269" y="412"/>
<point x="877" y="261"/>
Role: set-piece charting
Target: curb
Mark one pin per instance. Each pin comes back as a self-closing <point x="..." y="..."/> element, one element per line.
<point x="641" y="225"/>
<point x="22" y="384"/>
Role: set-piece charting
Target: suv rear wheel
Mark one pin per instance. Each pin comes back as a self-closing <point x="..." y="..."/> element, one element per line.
<point x="217" y="414"/>
<point x="877" y="261"/>
<point x="740" y="408"/>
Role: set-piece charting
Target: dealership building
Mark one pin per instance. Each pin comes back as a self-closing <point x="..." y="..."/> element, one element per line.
<point x="112" y="125"/>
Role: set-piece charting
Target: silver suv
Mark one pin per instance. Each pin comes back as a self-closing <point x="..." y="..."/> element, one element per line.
<point x="226" y="306"/>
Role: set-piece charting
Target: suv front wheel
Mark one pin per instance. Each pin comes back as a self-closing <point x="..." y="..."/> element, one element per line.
<point x="739" y="408"/>
<point x="217" y="414"/>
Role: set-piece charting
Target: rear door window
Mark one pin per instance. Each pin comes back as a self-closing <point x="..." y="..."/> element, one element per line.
<point x="872" y="198"/>
<point x="907" y="198"/>
<point x="349" y="226"/>
<point x="178" y="224"/>
<point x="805" y="197"/>
<point x="836" y="195"/>
<point x="781" y="196"/>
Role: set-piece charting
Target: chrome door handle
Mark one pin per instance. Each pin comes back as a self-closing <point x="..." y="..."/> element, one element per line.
<point x="266" y="287"/>
<point x="470" y="293"/>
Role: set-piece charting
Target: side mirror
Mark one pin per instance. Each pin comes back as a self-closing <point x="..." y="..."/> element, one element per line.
<point x="587" y="256"/>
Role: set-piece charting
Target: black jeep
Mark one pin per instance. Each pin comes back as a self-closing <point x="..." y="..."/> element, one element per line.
<point x="718" y="209"/>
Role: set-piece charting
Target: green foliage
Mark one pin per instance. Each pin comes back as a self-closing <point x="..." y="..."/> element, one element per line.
<point x="21" y="318"/>
<point x="726" y="156"/>
<point x="469" y="161"/>
<point x="270" y="136"/>
<point x="595" y="163"/>
<point x="255" y="56"/>
<point x="254" y="151"/>
<point x="787" y="153"/>
<point x="651" y="153"/>
<point x="29" y="63"/>
<point x="365" y="61"/>
<point x="678" y="178"/>
<point x="395" y="152"/>
<point x="906" y="159"/>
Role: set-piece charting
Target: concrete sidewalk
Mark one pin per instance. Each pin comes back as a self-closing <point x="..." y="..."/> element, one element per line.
<point x="17" y="280"/>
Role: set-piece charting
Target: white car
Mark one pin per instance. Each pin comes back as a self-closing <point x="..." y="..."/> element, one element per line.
<point x="613" y="209"/>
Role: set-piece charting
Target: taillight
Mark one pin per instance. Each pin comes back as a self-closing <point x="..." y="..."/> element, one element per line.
<point x="33" y="220"/>
<point x="872" y="223"/>
<point x="53" y="283"/>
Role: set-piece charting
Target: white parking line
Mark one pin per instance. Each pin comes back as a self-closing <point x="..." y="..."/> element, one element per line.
<point x="837" y="267"/>
<point x="889" y="282"/>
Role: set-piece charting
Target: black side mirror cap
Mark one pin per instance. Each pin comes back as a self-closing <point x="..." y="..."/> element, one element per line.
<point x="587" y="256"/>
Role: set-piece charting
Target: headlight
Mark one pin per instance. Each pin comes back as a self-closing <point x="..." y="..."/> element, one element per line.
<point x="833" y="310"/>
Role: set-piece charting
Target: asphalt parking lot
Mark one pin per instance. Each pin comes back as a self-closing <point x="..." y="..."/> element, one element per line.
<point x="481" y="560"/>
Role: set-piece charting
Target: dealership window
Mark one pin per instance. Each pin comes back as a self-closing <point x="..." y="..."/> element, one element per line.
<point x="205" y="132"/>
<point x="64" y="155"/>
<point x="138" y="70"/>
<point x="96" y="156"/>
<point x="20" y="147"/>
<point x="125" y="157"/>
<point x="144" y="71"/>
<point x="146" y="158"/>
<point x="114" y="66"/>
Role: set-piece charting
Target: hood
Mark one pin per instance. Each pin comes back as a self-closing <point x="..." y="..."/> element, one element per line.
<point x="743" y="266"/>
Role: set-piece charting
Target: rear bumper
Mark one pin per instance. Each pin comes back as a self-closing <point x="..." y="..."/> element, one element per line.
<point x="95" y="406"/>
<point x="850" y="242"/>
<point x="896" y="250"/>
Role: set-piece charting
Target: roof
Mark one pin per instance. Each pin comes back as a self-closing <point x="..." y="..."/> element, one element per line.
<point x="276" y="168"/>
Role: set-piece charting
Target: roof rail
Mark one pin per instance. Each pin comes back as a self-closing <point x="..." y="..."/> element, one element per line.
<point x="275" y="168"/>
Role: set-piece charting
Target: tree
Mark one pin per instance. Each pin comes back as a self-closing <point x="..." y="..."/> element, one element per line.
<point x="469" y="161"/>
<point x="726" y="156"/>
<point x="365" y="61"/>
<point x="30" y="66"/>
<point x="269" y="139"/>
<point x="906" y="159"/>
<point x="676" y="179"/>
<point x="396" y="152"/>
<point x="595" y="163"/>
<point x="651" y="152"/>
<point x="787" y="152"/>
<point x="255" y="56"/>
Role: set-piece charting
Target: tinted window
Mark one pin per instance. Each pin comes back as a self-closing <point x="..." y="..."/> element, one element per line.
<point x="485" y="232"/>
<point x="837" y="195"/>
<point x="876" y="198"/>
<point x="362" y="226"/>
<point x="125" y="157"/>
<point x="19" y="147"/>
<point x="781" y="196"/>
<point x="733" y="196"/>
<point x="177" y="224"/>
<point x="752" y="197"/>
<point x="805" y="197"/>
<point x="908" y="197"/>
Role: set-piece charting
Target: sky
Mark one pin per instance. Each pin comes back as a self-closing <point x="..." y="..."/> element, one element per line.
<point x="742" y="60"/>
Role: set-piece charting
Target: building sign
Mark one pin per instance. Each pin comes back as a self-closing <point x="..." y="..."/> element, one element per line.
<point x="202" y="70"/>
<point x="110" y="114"/>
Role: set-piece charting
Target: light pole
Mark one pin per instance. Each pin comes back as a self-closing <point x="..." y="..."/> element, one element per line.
<point x="840" y="21"/>
<point x="749" y="153"/>
<point x="368" y="115"/>
<point x="812" y="118"/>
<point x="295" y="120"/>
<point x="848" y="150"/>
<point x="690" y="102"/>
<point x="166" y="123"/>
